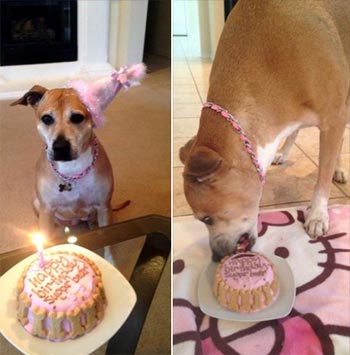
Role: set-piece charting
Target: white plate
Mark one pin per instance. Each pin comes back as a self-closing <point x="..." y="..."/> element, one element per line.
<point x="280" y="308"/>
<point x="120" y="295"/>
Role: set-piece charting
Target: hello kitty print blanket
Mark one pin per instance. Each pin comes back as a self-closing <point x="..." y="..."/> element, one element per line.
<point x="319" y="322"/>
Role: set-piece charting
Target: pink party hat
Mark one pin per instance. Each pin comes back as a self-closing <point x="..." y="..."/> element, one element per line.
<point x="98" y="94"/>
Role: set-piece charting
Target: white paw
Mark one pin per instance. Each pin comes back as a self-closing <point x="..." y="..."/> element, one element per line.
<point x="317" y="223"/>
<point x="279" y="159"/>
<point x="340" y="175"/>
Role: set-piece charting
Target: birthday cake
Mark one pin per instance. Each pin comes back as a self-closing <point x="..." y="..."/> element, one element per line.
<point x="246" y="282"/>
<point x="62" y="299"/>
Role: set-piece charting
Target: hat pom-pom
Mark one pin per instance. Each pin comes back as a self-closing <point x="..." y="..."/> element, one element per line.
<point x="136" y="72"/>
<point x="97" y="94"/>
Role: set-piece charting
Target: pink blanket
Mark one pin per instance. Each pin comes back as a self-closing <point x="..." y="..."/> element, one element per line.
<point x="319" y="322"/>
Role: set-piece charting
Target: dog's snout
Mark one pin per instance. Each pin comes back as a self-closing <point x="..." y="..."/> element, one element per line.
<point x="215" y="256"/>
<point x="220" y="248"/>
<point x="61" y="149"/>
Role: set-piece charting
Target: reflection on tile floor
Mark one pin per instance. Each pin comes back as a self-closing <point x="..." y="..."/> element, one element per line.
<point x="191" y="78"/>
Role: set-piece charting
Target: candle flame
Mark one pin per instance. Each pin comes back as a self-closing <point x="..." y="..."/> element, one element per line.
<point x="66" y="230"/>
<point x="38" y="238"/>
<point x="72" y="239"/>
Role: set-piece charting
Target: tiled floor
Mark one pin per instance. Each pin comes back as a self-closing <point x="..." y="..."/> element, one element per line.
<point x="299" y="173"/>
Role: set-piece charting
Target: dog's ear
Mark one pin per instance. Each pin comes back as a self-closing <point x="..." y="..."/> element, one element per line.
<point x="32" y="97"/>
<point x="204" y="164"/>
<point x="183" y="152"/>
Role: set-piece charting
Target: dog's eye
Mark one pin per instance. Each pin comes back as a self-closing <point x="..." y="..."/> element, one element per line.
<point x="207" y="220"/>
<point x="77" y="118"/>
<point x="48" y="120"/>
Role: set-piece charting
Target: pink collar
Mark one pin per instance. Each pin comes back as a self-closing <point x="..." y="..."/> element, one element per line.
<point x="242" y="135"/>
<point x="69" y="179"/>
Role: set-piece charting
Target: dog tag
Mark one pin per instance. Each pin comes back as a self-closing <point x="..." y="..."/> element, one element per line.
<point x="65" y="187"/>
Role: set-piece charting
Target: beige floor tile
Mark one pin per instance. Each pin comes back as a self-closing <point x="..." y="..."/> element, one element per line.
<point x="183" y="80"/>
<point x="292" y="182"/>
<point x="295" y="153"/>
<point x="185" y="89"/>
<point x="180" y="207"/>
<point x="182" y="74"/>
<point x="308" y="141"/>
<point x="187" y="98"/>
<point x="186" y="110"/>
<point x="332" y="201"/>
<point x="186" y="127"/>
<point x="203" y="91"/>
<point x="200" y="64"/>
<point x="178" y="143"/>
<point x="201" y="79"/>
<point x="339" y="201"/>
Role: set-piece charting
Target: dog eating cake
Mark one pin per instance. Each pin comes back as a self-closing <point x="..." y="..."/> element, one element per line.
<point x="62" y="299"/>
<point x="246" y="282"/>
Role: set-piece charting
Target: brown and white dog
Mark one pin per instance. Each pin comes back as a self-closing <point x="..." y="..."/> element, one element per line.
<point x="74" y="179"/>
<point x="65" y="125"/>
<point x="279" y="66"/>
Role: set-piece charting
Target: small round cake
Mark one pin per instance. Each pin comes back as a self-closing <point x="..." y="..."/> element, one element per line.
<point x="62" y="299"/>
<point x="246" y="282"/>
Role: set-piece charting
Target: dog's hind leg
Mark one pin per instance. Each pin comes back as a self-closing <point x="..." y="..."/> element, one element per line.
<point x="340" y="174"/>
<point x="283" y="152"/>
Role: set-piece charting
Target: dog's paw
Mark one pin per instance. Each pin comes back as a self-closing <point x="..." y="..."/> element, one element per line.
<point x="340" y="175"/>
<point x="279" y="159"/>
<point x="317" y="223"/>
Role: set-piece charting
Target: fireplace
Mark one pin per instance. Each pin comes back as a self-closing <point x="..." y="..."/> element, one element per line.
<point x="38" y="31"/>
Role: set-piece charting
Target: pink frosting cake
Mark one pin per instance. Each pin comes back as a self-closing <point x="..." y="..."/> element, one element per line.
<point x="62" y="299"/>
<point x="246" y="282"/>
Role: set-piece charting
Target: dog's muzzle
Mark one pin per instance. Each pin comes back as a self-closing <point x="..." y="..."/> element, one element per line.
<point x="223" y="248"/>
<point x="61" y="149"/>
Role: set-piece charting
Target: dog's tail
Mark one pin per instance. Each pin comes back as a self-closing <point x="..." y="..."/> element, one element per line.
<point x="121" y="206"/>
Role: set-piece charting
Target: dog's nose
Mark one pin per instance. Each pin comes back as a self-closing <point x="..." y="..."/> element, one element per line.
<point x="61" y="149"/>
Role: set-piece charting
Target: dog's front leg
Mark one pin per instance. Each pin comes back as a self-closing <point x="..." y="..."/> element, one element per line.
<point x="104" y="215"/>
<point x="104" y="218"/>
<point x="316" y="223"/>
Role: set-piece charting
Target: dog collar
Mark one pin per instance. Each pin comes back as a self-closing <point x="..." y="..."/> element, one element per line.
<point x="242" y="135"/>
<point x="68" y="179"/>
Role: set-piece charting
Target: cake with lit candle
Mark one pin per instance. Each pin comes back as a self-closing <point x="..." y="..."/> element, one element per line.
<point x="62" y="299"/>
<point x="246" y="282"/>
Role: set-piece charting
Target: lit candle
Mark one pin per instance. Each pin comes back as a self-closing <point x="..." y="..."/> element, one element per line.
<point x="38" y="239"/>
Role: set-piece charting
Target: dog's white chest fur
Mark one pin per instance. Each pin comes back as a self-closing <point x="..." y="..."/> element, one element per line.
<point x="267" y="152"/>
<point x="84" y="196"/>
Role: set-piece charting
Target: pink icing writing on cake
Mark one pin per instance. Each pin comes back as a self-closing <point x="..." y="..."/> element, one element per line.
<point x="247" y="271"/>
<point x="62" y="284"/>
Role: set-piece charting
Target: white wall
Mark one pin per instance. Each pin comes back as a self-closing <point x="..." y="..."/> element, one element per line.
<point x="179" y="18"/>
<point x="204" y="24"/>
<point x="127" y="31"/>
